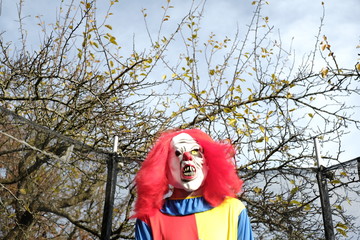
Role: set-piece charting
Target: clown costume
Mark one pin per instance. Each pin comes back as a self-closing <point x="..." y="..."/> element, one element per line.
<point x="204" y="183"/>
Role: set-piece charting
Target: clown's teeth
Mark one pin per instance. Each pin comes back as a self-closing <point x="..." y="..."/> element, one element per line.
<point x="189" y="170"/>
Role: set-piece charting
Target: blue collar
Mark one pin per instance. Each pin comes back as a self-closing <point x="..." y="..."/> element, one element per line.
<point x="187" y="206"/>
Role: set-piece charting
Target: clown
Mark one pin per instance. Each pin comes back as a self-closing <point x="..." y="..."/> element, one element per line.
<point x="203" y="182"/>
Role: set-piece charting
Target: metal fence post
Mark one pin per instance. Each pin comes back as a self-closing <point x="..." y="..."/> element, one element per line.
<point x="112" y="167"/>
<point x="324" y="196"/>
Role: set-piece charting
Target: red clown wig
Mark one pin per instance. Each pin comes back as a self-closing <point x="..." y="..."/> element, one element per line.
<point x="152" y="183"/>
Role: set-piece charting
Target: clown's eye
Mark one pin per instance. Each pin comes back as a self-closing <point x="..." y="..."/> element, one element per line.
<point x="195" y="152"/>
<point x="177" y="153"/>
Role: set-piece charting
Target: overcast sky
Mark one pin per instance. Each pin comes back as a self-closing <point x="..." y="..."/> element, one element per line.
<point x="296" y="20"/>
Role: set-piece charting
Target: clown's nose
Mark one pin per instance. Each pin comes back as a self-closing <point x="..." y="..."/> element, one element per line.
<point x="187" y="156"/>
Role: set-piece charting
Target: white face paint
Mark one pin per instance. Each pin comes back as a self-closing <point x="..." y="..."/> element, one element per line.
<point x="186" y="163"/>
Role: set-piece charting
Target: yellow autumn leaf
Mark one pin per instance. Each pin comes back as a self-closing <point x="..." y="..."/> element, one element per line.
<point x="113" y="40"/>
<point x="324" y="72"/>
<point x="113" y="99"/>
<point x="294" y="190"/>
<point x="257" y="190"/>
<point x="193" y="95"/>
<point x="94" y="44"/>
<point x="323" y="47"/>
<point x="341" y="231"/>
<point x="232" y="122"/>
<point x="262" y="129"/>
<point x="273" y="77"/>
<point x="358" y="66"/>
<point x="227" y="110"/>
<point x="307" y="207"/>
<point x="295" y="202"/>
<point x="335" y="181"/>
<point x="341" y="225"/>
<point x="22" y="191"/>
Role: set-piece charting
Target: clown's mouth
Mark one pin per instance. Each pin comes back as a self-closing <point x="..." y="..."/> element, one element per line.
<point x="188" y="172"/>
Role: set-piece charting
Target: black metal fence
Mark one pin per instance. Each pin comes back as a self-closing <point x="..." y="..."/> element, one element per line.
<point x="294" y="207"/>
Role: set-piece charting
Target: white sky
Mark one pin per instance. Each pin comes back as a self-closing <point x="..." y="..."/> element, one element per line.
<point x="296" y="20"/>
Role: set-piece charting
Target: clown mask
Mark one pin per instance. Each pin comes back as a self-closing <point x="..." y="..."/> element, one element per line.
<point x="186" y="163"/>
